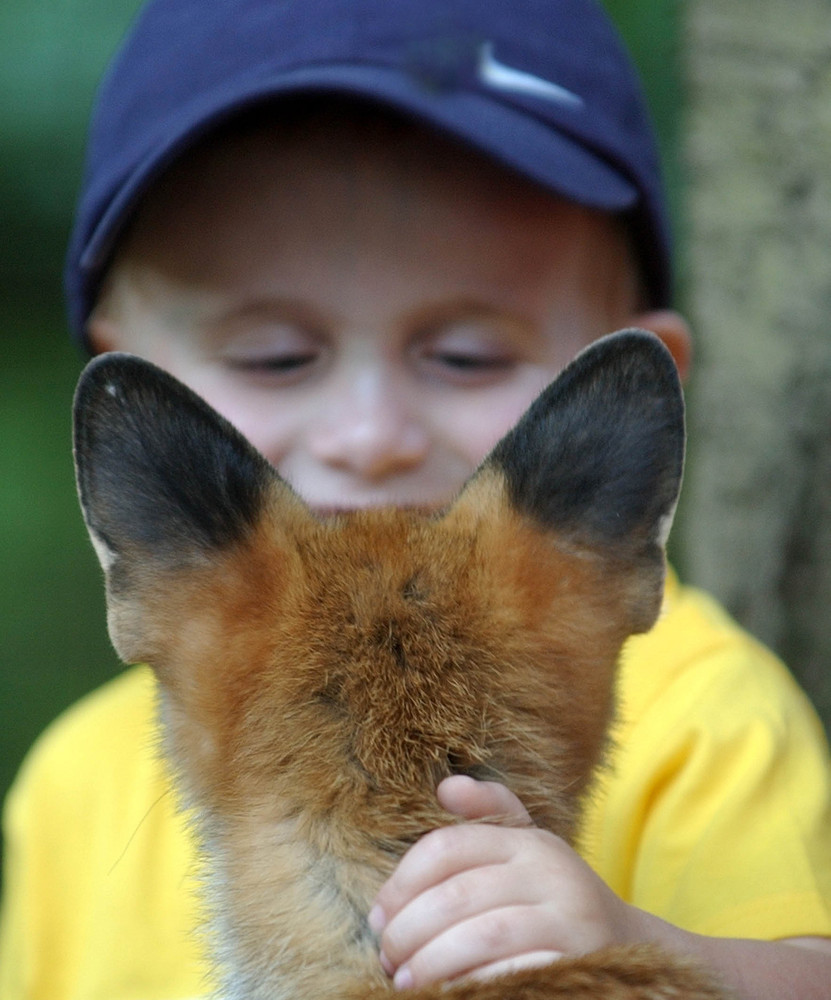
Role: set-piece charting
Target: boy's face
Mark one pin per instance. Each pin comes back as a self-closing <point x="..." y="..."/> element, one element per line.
<point x="371" y="307"/>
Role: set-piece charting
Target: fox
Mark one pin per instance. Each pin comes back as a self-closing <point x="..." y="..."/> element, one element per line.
<point x="319" y="675"/>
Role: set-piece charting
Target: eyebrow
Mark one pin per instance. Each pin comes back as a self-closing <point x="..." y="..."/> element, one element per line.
<point x="279" y="307"/>
<point x="463" y="308"/>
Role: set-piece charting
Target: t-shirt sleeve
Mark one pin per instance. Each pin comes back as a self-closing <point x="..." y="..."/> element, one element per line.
<point x="715" y="812"/>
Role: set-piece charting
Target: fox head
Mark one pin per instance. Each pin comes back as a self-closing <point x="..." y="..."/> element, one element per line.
<point x="320" y="676"/>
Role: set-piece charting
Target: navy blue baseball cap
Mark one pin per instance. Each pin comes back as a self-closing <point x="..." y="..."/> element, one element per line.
<point x="545" y="87"/>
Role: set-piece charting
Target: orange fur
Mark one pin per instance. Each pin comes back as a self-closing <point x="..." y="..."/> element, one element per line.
<point x="320" y="677"/>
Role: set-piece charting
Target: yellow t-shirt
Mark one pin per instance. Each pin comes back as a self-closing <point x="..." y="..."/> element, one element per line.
<point x="715" y="814"/>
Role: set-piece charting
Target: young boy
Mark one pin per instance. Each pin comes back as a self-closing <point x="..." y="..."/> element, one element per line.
<point x="369" y="233"/>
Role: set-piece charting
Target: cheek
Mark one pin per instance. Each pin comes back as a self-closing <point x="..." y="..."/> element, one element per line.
<point x="475" y="427"/>
<point x="266" y="425"/>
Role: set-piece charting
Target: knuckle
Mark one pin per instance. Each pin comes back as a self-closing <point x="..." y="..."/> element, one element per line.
<point x="495" y="932"/>
<point x="544" y="845"/>
<point x="439" y="843"/>
<point x="453" y="896"/>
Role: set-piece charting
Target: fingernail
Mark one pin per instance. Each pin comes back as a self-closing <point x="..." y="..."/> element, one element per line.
<point x="403" y="979"/>
<point x="377" y="919"/>
<point x="386" y="964"/>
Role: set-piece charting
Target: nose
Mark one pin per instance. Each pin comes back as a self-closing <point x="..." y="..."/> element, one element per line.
<point x="367" y="426"/>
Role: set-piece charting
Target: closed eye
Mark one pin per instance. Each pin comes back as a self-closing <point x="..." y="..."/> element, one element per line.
<point x="279" y="364"/>
<point x="467" y="353"/>
<point x="469" y="362"/>
<point x="275" y="353"/>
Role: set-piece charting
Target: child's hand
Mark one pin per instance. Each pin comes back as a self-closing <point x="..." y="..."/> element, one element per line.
<point x="480" y="899"/>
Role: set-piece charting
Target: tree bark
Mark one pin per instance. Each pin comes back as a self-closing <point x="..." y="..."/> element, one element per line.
<point x="756" y="524"/>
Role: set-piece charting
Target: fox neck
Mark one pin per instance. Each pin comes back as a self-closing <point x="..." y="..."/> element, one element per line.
<point x="289" y="902"/>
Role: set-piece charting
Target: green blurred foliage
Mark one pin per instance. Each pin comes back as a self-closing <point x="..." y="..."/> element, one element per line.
<point x="53" y="52"/>
<point x="52" y="619"/>
<point x="53" y="643"/>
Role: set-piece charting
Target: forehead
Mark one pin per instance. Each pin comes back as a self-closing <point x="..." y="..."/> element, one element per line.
<point x="332" y="198"/>
<point x="350" y="154"/>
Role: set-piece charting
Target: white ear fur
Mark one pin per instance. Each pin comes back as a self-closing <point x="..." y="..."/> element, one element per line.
<point x="665" y="526"/>
<point x="106" y="556"/>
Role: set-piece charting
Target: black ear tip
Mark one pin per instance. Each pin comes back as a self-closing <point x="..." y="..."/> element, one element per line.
<point x="102" y="386"/>
<point x="639" y="363"/>
<point x="642" y="346"/>
<point x="112" y="373"/>
<point x="110" y="364"/>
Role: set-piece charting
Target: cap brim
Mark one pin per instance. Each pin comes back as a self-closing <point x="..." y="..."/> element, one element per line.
<point x="498" y="127"/>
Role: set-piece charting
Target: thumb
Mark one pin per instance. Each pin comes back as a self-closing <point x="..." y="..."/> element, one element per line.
<point x="476" y="800"/>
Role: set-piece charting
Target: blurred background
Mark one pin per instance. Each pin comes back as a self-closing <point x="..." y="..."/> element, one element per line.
<point x="741" y="95"/>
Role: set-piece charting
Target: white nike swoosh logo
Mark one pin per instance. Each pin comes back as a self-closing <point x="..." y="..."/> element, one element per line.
<point x="501" y="77"/>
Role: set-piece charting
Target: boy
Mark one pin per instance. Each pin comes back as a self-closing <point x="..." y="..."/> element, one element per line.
<point x="369" y="233"/>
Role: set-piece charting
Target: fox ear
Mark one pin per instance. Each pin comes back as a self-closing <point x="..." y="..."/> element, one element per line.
<point x="599" y="455"/>
<point x="600" y="452"/>
<point x="164" y="481"/>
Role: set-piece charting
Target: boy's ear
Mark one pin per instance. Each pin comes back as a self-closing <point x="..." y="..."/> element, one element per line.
<point x="599" y="455"/>
<point x="164" y="481"/>
<point x="674" y="333"/>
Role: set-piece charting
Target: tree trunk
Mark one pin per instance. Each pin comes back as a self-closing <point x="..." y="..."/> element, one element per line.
<point x="756" y="524"/>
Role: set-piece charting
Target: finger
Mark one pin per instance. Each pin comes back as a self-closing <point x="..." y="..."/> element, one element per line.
<point x="457" y="899"/>
<point x="485" y="940"/>
<point x="475" y="800"/>
<point x="439" y="855"/>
